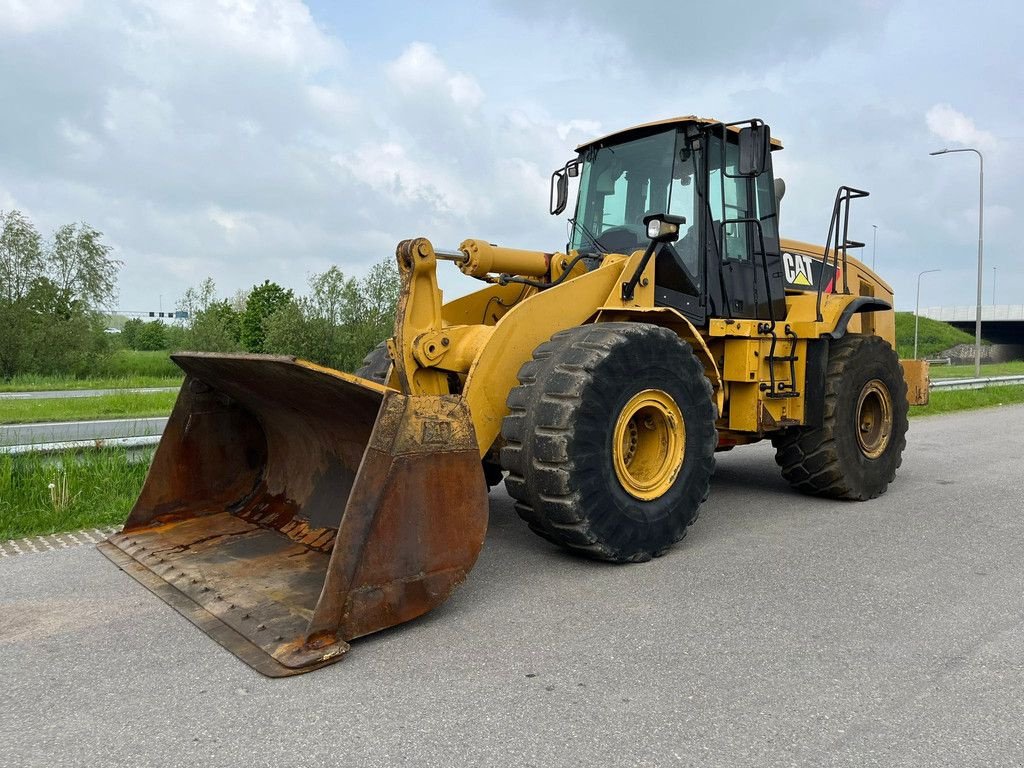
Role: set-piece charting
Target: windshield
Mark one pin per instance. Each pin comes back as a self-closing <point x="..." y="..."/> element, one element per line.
<point x="619" y="185"/>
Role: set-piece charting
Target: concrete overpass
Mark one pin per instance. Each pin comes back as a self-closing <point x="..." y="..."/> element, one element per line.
<point x="1000" y="323"/>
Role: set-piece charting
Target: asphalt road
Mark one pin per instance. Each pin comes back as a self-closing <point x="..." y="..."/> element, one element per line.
<point x="67" y="431"/>
<point x="784" y="631"/>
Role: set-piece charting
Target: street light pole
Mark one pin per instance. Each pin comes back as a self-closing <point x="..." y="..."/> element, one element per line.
<point x="917" y="307"/>
<point x="993" y="288"/>
<point x="874" y="245"/>
<point x="981" y="238"/>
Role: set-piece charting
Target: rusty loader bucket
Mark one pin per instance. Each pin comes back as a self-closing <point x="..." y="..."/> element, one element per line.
<point x="291" y="508"/>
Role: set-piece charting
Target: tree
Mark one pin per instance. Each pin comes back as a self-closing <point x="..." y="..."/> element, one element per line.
<point x="212" y="326"/>
<point x="81" y="267"/>
<point x="52" y="297"/>
<point x="378" y="302"/>
<point x="340" y="320"/>
<point x="152" y="336"/>
<point x="263" y="301"/>
<point x="21" y="256"/>
<point x="130" y="332"/>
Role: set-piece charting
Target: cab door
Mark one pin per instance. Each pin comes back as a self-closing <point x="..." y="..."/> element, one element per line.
<point x="744" y="227"/>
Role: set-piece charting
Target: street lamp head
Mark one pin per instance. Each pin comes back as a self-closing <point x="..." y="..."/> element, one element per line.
<point x="940" y="152"/>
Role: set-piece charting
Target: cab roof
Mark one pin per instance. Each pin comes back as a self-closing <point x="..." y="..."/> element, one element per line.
<point x="643" y="128"/>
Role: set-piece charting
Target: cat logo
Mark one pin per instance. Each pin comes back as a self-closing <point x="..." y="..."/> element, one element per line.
<point x="798" y="269"/>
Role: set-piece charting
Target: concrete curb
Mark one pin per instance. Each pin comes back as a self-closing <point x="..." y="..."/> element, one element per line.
<point x="38" y="544"/>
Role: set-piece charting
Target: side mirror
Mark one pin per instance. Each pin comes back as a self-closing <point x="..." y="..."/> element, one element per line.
<point x="755" y="145"/>
<point x="559" y="191"/>
<point x="560" y="186"/>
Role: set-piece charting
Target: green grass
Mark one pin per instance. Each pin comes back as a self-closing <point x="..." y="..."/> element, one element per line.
<point x="967" y="371"/>
<point x="125" y="368"/>
<point x="91" y="489"/>
<point x="933" y="337"/>
<point x="969" y="399"/>
<point x="122" y="405"/>
<point x="130" y="362"/>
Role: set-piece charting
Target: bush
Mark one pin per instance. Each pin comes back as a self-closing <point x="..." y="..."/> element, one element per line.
<point x="340" y="321"/>
<point x="336" y="324"/>
<point x="150" y="336"/>
<point x="212" y="326"/>
<point x="264" y="300"/>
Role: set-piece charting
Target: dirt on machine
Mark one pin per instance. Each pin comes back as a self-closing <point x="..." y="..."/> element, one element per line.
<point x="291" y="508"/>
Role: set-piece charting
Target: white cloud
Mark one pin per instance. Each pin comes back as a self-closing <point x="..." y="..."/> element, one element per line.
<point x="132" y="115"/>
<point x="281" y="31"/>
<point x="955" y="127"/>
<point x="333" y="102"/>
<point x="83" y="144"/>
<point x="28" y="16"/>
<point x="7" y="201"/>
<point x="465" y="91"/>
<point x="388" y="169"/>
<point x="588" y="129"/>
<point x="419" y="70"/>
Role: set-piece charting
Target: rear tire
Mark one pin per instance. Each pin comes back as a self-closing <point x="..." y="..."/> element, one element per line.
<point x="376" y="365"/>
<point x="610" y="440"/>
<point x="859" y="446"/>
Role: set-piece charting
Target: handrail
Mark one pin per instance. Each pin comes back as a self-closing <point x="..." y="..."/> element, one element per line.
<point x="840" y="213"/>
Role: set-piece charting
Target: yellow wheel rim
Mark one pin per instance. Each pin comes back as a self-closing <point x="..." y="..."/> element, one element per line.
<point x="874" y="419"/>
<point x="649" y="444"/>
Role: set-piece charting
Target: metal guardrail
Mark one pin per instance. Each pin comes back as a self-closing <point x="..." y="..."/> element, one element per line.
<point x="129" y="443"/>
<point x="51" y="437"/>
<point x="155" y="425"/>
<point x="976" y="383"/>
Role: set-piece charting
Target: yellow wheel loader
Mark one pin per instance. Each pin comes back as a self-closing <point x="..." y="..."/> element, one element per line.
<point x="291" y="508"/>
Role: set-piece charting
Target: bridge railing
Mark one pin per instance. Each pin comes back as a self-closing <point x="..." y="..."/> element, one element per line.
<point x="966" y="313"/>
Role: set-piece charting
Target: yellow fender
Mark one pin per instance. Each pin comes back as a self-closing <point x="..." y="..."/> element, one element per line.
<point x="674" y="320"/>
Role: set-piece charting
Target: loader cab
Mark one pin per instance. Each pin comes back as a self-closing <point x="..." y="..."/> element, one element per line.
<point x="726" y="262"/>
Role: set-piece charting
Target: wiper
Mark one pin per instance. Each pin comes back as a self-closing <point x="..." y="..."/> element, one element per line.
<point x="575" y="223"/>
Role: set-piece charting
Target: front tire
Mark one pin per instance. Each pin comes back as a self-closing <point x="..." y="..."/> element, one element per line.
<point x="610" y="440"/>
<point x="856" y="451"/>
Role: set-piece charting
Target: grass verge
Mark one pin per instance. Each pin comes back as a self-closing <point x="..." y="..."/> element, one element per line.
<point x="967" y="371"/>
<point x="933" y="337"/>
<point x="125" y="368"/>
<point x="89" y="489"/>
<point x="121" y="405"/>
<point x="131" y="362"/>
<point x="969" y="399"/>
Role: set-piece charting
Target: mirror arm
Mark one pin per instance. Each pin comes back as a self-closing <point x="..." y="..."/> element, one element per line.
<point x="629" y="287"/>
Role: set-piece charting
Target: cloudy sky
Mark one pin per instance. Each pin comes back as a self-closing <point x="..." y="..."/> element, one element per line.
<point x="254" y="139"/>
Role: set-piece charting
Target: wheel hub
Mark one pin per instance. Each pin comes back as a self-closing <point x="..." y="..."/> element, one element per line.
<point x="649" y="444"/>
<point x="874" y="419"/>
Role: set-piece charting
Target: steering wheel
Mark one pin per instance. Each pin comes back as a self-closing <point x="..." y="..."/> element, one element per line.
<point x="623" y="238"/>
